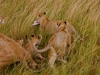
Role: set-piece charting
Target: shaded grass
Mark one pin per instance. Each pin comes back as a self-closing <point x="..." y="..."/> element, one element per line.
<point x="83" y="14"/>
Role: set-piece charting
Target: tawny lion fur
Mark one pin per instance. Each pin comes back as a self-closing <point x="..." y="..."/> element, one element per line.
<point x="35" y="41"/>
<point x="49" y="26"/>
<point x="57" y="44"/>
<point x="11" y="51"/>
<point x="46" y="25"/>
<point x="20" y="41"/>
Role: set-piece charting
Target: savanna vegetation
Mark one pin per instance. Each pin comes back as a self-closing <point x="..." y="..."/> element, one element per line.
<point x="84" y="15"/>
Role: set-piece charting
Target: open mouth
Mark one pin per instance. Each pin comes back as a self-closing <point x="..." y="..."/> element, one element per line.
<point x="35" y="23"/>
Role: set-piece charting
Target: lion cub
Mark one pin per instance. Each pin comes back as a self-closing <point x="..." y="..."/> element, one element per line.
<point x="1" y="19"/>
<point x="46" y="25"/>
<point x="57" y="44"/>
<point x="11" y="52"/>
<point x="35" y="41"/>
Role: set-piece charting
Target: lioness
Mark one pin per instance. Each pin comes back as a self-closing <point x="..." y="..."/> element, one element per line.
<point x="57" y="44"/>
<point x="11" y="51"/>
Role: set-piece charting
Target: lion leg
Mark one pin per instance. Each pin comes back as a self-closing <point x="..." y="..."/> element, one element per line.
<point x="69" y="45"/>
<point x="31" y="62"/>
<point x="69" y="41"/>
<point x="52" y="60"/>
<point x="2" y="65"/>
<point x="52" y="57"/>
<point x="0" y="71"/>
<point x="61" y="56"/>
<point x="40" y="56"/>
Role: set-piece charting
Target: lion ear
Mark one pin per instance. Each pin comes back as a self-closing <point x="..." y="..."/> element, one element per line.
<point x="21" y="41"/>
<point x="32" y="35"/>
<point x="65" y="22"/>
<point x="44" y="13"/>
<point x="58" y="23"/>
<point x="39" y="37"/>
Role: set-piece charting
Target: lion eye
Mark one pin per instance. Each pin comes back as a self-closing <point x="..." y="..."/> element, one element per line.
<point x="39" y="15"/>
<point x="36" y="45"/>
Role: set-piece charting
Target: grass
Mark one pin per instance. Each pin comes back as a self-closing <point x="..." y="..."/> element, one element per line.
<point x="83" y="14"/>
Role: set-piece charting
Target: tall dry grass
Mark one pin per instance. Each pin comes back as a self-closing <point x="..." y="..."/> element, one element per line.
<point x="83" y="14"/>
